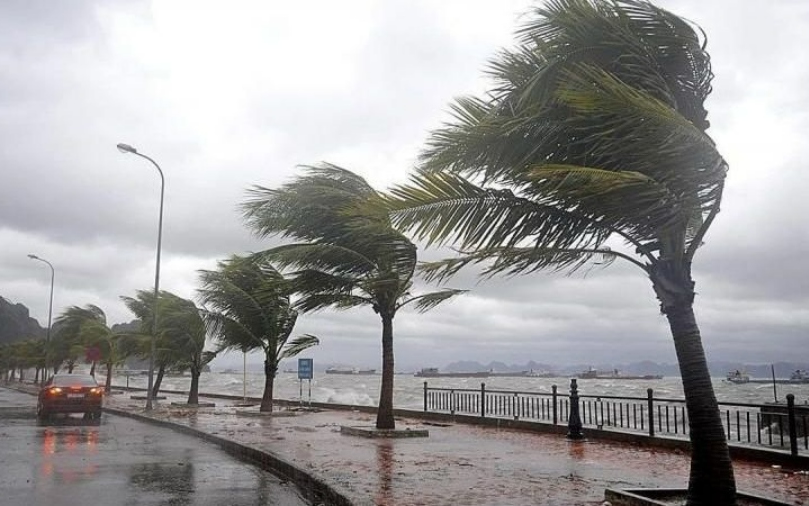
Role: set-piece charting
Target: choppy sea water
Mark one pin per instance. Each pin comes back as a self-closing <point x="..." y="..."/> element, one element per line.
<point x="363" y="390"/>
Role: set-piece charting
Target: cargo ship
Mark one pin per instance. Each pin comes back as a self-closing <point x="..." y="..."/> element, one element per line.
<point x="349" y="370"/>
<point x="592" y="373"/>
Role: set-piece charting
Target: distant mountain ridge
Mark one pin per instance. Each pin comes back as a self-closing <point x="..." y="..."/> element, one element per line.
<point x="717" y="368"/>
<point x="16" y="323"/>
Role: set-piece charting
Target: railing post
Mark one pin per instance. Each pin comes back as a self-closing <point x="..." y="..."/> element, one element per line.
<point x="793" y="431"/>
<point x="650" y="402"/>
<point x="483" y="400"/>
<point x="425" y="396"/>
<point x="555" y="413"/>
<point x="452" y="401"/>
<point x="574" y="421"/>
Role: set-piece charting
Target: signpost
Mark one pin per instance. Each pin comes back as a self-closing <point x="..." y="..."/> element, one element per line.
<point x="305" y="372"/>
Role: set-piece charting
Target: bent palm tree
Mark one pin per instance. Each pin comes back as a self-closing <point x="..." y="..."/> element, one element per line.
<point x="167" y="353"/>
<point x="250" y="309"/>
<point x="595" y="131"/>
<point x="88" y="325"/>
<point x="351" y="256"/>
<point x="182" y="324"/>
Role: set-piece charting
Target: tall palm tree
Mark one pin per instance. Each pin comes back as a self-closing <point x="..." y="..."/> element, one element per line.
<point x="593" y="134"/>
<point x="349" y="254"/>
<point x="249" y="308"/>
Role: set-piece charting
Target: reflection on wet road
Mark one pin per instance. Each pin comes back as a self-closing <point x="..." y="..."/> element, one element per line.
<point x="118" y="461"/>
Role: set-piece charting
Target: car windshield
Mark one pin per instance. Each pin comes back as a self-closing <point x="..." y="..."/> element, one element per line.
<point x="63" y="380"/>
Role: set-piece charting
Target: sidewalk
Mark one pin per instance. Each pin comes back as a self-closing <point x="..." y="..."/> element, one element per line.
<point x="457" y="464"/>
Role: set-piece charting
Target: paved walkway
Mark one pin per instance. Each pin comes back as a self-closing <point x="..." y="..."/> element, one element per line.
<point x="457" y="464"/>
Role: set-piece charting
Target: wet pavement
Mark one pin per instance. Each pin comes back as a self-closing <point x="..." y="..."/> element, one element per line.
<point x="458" y="464"/>
<point x="115" y="461"/>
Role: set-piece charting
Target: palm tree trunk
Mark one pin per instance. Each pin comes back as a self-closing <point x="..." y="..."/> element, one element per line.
<point x="193" y="392"/>
<point x="108" y="382"/>
<point x="384" y="414"/>
<point x="158" y="380"/>
<point x="270" y="369"/>
<point x="711" y="481"/>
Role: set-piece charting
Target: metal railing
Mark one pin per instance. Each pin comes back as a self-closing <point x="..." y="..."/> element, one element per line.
<point x="781" y="425"/>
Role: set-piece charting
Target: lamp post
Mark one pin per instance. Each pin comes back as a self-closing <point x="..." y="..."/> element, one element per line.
<point x="50" y="313"/>
<point x="126" y="148"/>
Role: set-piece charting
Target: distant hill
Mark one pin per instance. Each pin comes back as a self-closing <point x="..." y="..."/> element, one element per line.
<point x="717" y="368"/>
<point x="16" y="323"/>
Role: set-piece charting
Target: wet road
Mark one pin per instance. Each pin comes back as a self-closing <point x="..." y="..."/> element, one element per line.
<point x="118" y="461"/>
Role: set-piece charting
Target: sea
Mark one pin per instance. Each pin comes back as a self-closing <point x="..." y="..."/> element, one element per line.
<point x="363" y="390"/>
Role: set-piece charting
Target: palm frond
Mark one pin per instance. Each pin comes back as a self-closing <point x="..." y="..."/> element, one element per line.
<point x="512" y="261"/>
<point x="298" y="345"/>
<point x="428" y="301"/>
<point x="443" y="207"/>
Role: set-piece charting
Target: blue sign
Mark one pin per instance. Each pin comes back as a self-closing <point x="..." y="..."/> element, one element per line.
<point x="305" y="368"/>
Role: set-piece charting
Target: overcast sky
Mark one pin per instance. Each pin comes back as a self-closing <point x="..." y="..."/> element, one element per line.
<point x="225" y="95"/>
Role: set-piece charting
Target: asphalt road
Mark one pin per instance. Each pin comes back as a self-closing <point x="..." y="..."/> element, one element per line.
<point x="119" y="461"/>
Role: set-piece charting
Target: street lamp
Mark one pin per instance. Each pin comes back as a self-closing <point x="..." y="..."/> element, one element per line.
<point x="126" y="148"/>
<point x="50" y="313"/>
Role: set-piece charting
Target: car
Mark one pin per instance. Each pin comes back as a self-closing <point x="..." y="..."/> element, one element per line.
<point x="70" y="393"/>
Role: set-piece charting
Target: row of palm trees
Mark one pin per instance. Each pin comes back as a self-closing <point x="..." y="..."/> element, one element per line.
<point x="250" y="309"/>
<point x="590" y="148"/>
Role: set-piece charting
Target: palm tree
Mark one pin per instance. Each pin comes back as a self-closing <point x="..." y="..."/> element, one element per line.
<point x="250" y="309"/>
<point x="181" y="325"/>
<point x="88" y="325"/>
<point x="71" y="322"/>
<point x="66" y="344"/>
<point x="594" y="134"/>
<point x="349" y="256"/>
<point x="168" y="350"/>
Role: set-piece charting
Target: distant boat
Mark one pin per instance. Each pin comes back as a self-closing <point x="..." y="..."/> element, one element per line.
<point x="799" y="376"/>
<point x="341" y="370"/>
<point x="432" y="372"/>
<point x="593" y="373"/>
<point x="349" y="370"/>
<point x="738" y="377"/>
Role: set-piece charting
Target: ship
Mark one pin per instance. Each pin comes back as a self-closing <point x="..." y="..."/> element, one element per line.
<point x="738" y="377"/>
<point x="349" y="370"/>
<point x="593" y="373"/>
<point x="798" y="377"/>
<point x="341" y="370"/>
<point x="433" y="372"/>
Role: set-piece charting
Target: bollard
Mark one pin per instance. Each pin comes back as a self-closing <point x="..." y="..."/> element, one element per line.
<point x="574" y="421"/>
<point x="793" y="431"/>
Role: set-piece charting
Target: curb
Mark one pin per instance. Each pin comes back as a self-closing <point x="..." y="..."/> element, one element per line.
<point x="311" y="487"/>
